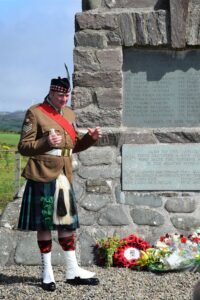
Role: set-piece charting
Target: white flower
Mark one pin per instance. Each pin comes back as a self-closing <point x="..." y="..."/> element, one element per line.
<point x="175" y="237"/>
<point x="160" y="245"/>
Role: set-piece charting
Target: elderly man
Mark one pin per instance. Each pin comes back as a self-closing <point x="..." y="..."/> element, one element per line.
<point x="49" y="138"/>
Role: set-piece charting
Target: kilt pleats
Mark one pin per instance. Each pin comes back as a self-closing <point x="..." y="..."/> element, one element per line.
<point x="38" y="207"/>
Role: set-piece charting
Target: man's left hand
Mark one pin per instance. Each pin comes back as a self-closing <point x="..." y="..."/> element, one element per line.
<point x="95" y="133"/>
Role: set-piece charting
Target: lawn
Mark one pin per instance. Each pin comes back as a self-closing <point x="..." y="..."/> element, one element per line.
<point x="9" y="139"/>
<point x="8" y="146"/>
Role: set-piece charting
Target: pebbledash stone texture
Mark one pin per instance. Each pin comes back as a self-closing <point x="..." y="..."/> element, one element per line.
<point x="103" y="30"/>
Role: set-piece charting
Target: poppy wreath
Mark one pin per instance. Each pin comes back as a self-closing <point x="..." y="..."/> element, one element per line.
<point x="126" y="256"/>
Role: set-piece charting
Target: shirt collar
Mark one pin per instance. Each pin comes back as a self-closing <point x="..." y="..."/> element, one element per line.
<point x="50" y="103"/>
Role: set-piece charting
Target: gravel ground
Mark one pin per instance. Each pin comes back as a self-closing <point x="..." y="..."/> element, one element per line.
<point x="22" y="282"/>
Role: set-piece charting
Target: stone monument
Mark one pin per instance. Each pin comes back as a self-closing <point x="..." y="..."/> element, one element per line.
<point x="137" y="75"/>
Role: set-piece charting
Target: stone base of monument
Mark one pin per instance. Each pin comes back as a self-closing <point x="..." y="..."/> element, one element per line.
<point x="104" y="210"/>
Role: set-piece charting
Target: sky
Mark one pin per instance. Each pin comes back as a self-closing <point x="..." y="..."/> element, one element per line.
<point x="37" y="38"/>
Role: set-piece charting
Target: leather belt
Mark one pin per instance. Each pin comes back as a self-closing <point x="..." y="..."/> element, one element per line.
<point x="60" y="152"/>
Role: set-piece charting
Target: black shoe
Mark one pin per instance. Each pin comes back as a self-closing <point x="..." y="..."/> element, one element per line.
<point x="50" y="287"/>
<point x="83" y="281"/>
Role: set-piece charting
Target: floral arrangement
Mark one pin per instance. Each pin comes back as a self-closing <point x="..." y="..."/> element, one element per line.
<point x="105" y="248"/>
<point x="171" y="252"/>
<point x="195" y="236"/>
<point x="128" y="254"/>
<point x="113" y="251"/>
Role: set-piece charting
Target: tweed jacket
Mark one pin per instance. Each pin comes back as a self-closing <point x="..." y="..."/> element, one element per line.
<point x="33" y="143"/>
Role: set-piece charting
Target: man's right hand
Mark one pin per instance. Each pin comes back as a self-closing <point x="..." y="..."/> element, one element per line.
<point x="54" y="140"/>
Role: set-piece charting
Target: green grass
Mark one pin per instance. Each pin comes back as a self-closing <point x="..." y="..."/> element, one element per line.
<point x="7" y="176"/>
<point x="8" y="145"/>
<point x="9" y="139"/>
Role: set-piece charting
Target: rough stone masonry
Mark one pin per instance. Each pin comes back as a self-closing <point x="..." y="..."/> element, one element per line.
<point x="103" y="30"/>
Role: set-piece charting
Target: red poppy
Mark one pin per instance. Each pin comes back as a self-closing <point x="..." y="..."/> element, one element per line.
<point x="183" y="239"/>
<point x="128" y="254"/>
<point x="196" y="240"/>
<point x="162" y="238"/>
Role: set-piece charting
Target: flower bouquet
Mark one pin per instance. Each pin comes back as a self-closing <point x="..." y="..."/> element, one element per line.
<point x="195" y="237"/>
<point x="172" y="252"/>
<point x="105" y="249"/>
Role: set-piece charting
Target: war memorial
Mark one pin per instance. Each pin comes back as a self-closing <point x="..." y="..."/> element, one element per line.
<point x="137" y="75"/>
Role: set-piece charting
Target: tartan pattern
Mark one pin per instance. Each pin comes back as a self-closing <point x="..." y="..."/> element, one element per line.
<point x="37" y="207"/>
<point x="67" y="243"/>
<point x="45" y="246"/>
<point x="57" y="88"/>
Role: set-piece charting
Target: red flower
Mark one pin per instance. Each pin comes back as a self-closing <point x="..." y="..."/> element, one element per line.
<point x="120" y="260"/>
<point x="162" y="238"/>
<point x="183" y="239"/>
<point x="196" y="240"/>
<point x="122" y="256"/>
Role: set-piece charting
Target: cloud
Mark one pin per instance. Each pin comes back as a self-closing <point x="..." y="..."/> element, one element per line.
<point x="37" y="38"/>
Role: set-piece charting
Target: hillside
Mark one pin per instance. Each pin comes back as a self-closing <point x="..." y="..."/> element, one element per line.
<point x="11" y="121"/>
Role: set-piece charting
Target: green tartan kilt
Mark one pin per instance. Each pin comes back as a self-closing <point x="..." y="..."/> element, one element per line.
<point x="38" y="208"/>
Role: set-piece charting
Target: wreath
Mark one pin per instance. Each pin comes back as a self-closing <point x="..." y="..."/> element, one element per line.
<point x="128" y="254"/>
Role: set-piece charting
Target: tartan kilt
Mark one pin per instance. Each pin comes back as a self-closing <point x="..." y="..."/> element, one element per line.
<point x="38" y="208"/>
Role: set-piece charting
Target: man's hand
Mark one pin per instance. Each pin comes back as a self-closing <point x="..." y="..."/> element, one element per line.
<point x="95" y="133"/>
<point x="54" y="139"/>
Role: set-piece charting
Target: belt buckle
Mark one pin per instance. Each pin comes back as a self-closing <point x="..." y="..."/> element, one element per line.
<point x="66" y="152"/>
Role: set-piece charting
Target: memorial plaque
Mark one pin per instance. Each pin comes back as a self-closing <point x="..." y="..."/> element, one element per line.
<point x="161" y="88"/>
<point x="161" y="167"/>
